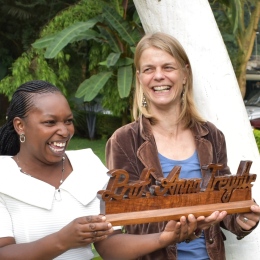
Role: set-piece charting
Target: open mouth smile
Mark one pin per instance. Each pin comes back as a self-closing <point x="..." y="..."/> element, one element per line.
<point x="161" y="88"/>
<point x="57" y="146"/>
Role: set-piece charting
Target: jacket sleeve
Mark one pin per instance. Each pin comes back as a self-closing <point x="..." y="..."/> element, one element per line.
<point x="121" y="153"/>
<point x="219" y="144"/>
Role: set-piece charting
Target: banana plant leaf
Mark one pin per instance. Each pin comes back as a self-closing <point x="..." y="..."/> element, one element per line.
<point x="87" y="35"/>
<point x="89" y="88"/>
<point x="112" y="59"/>
<point x="237" y="11"/>
<point x="121" y="26"/>
<point x="110" y="38"/>
<point x="64" y="37"/>
<point x="43" y="42"/>
<point x="124" y="82"/>
<point x="125" y="62"/>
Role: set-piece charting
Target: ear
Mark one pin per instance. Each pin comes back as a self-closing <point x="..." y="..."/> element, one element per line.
<point x="184" y="80"/>
<point x="18" y="125"/>
<point x="138" y="74"/>
<point x="186" y="72"/>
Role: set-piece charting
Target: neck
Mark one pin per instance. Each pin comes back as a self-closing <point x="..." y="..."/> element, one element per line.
<point x="166" y="128"/>
<point x="43" y="171"/>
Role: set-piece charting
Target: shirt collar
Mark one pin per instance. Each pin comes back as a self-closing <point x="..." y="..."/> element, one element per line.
<point x="87" y="178"/>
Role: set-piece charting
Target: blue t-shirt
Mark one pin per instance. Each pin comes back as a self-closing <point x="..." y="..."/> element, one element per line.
<point x="190" y="169"/>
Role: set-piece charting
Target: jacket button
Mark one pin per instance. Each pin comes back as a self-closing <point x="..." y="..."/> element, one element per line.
<point x="211" y="240"/>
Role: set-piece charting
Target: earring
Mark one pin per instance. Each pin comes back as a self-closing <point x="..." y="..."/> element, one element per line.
<point x="144" y="102"/>
<point x="182" y="97"/>
<point x="22" y="138"/>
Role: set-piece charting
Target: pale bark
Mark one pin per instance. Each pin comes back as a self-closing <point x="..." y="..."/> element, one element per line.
<point x="216" y="89"/>
<point x="246" y="39"/>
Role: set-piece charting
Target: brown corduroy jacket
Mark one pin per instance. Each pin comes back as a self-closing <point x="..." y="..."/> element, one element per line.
<point x="132" y="148"/>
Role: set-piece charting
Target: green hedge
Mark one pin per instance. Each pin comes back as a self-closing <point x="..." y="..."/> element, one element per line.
<point x="106" y="125"/>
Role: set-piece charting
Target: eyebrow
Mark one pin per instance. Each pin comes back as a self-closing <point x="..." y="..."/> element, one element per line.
<point x="52" y="115"/>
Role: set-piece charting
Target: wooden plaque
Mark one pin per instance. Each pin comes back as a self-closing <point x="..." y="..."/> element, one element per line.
<point x="127" y="203"/>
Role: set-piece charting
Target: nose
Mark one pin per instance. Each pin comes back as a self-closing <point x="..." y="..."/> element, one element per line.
<point x="63" y="130"/>
<point x="158" y="74"/>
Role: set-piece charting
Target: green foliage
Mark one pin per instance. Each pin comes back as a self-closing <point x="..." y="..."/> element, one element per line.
<point x="91" y="87"/>
<point x="102" y="37"/>
<point x="124" y="82"/>
<point x="236" y="21"/>
<point x="112" y="101"/>
<point x="106" y="125"/>
<point x="110" y="38"/>
<point x="32" y="64"/>
<point x="28" y="67"/>
<point x="55" y="43"/>
<point x="257" y="138"/>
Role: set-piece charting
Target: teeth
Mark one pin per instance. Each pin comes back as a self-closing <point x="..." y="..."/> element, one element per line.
<point x="159" y="88"/>
<point x="56" y="149"/>
<point x="59" y="144"/>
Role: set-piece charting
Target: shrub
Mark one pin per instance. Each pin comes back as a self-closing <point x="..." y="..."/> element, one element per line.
<point x="106" y="125"/>
<point x="257" y="138"/>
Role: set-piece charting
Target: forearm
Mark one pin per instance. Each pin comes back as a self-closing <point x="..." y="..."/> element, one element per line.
<point x="128" y="246"/>
<point x="46" y="248"/>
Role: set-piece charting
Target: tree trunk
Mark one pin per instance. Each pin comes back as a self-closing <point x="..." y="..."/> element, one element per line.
<point x="216" y="89"/>
<point x="246" y="41"/>
<point x="241" y="78"/>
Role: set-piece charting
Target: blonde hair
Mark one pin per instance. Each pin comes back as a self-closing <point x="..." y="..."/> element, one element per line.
<point x="169" y="44"/>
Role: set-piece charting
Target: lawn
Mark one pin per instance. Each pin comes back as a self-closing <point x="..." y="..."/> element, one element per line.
<point x="98" y="146"/>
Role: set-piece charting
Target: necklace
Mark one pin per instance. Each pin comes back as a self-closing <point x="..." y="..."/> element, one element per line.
<point x="57" y="195"/>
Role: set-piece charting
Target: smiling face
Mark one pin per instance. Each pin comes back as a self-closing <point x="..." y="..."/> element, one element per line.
<point x="48" y="127"/>
<point x="161" y="78"/>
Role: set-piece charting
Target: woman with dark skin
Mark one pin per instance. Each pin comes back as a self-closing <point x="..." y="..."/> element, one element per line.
<point x="48" y="203"/>
<point x="168" y="131"/>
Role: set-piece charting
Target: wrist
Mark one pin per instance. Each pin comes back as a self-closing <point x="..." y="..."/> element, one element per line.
<point x="196" y="234"/>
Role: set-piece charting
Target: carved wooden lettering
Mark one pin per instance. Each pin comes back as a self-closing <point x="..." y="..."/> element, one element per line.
<point x="173" y="195"/>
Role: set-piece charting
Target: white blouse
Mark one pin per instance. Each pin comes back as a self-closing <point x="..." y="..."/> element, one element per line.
<point x="31" y="209"/>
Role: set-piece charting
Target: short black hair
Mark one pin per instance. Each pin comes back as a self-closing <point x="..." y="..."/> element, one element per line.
<point x="20" y="104"/>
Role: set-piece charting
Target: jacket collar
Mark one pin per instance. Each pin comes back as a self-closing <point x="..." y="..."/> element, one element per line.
<point x="198" y="130"/>
<point x="148" y="149"/>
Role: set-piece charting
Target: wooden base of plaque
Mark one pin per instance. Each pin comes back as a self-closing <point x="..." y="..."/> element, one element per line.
<point x="147" y="216"/>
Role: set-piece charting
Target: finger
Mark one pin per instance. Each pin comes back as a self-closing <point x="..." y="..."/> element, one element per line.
<point x="255" y="208"/>
<point x="192" y="219"/>
<point x="171" y="226"/>
<point x="91" y="219"/>
<point x="220" y="217"/>
<point x="170" y="234"/>
<point x="99" y="233"/>
<point x="244" y="222"/>
<point x="201" y="218"/>
<point x="253" y="216"/>
<point x="188" y="225"/>
<point x="95" y="219"/>
<point x="92" y="227"/>
<point x="212" y="219"/>
<point x="102" y="233"/>
<point x="192" y="222"/>
<point x="183" y="221"/>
